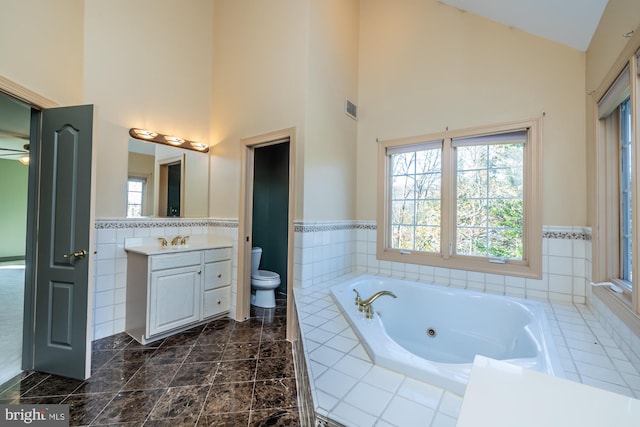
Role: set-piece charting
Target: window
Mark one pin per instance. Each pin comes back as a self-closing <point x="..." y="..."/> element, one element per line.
<point x="617" y="192"/>
<point x="463" y="199"/>
<point x="626" y="194"/>
<point x="135" y="196"/>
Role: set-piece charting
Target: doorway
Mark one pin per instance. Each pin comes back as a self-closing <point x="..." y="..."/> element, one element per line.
<point x="267" y="181"/>
<point x="271" y="208"/>
<point x="15" y="118"/>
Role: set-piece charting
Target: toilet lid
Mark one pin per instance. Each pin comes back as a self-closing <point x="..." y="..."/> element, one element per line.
<point x="265" y="275"/>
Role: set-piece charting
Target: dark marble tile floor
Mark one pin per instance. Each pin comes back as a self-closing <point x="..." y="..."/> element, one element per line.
<point x="223" y="373"/>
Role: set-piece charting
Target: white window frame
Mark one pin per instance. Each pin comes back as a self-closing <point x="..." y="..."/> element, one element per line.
<point x="531" y="264"/>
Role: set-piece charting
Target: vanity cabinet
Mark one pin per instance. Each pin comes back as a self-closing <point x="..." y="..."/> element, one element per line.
<point x="170" y="292"/>
<point x="217" y="278"/>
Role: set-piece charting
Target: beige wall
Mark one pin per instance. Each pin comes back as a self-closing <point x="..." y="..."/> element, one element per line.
<point x="259" y="85"/>
<point x="13" y="218"/>
<point x="225" y="70"/>
<point x="41" y="45"/>
<point x="147" y="64"/>
<point x="425" y="66"/>
<point x="292" y="64"/>
<point x="619" y="17"/>
<point x="331" y="136"/>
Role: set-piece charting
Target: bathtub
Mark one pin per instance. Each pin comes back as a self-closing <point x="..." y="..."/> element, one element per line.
<point x="432" y="333"/>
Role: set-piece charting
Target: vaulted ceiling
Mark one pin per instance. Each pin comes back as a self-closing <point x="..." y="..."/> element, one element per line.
<point x="570" y="22"/>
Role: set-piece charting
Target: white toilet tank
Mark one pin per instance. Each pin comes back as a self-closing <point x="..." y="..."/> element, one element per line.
<point x="256" y="254"/>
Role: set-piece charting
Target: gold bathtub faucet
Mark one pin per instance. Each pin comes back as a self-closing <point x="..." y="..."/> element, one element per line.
<point x="367" y="306"/>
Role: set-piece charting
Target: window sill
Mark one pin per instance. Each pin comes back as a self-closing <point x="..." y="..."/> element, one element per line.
<point x="620" y="305"/>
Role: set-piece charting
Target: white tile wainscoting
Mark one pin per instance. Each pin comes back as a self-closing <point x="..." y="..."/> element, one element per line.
<point x="348" y="389"/>
<point x="326" y="250"/>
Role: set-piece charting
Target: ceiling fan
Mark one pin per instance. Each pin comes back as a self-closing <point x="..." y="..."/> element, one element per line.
<point x="21" y="155"/>
<point x="10" y="147"/>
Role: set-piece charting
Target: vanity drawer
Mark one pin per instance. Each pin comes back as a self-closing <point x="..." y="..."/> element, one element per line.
<point x="217" y="274"/>
<point x="216" y="301"/>
<point x="183" y="259"/>
<point x="220" y="254"/>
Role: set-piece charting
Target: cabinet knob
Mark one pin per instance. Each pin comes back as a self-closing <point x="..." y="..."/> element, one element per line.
<point x="219" y="275"/>
<point x="199" y="272"/>
<point x="219" y="302"/>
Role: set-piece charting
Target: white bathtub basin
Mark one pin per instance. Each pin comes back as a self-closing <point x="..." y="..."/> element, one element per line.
<point x="433" y="333"/>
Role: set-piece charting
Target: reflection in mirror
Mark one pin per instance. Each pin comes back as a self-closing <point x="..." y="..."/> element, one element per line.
<point x="166" y="181"/>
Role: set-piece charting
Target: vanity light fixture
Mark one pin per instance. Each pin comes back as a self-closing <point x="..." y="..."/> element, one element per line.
<point x="174" y="141"/>
<point x="144" y="134"/>
<point x="199" y="146"/>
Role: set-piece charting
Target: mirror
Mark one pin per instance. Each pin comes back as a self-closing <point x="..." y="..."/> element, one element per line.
<point x="166" y="181"/>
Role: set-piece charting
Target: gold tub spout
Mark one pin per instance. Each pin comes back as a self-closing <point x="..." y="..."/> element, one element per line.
<point x="366" y="304"/>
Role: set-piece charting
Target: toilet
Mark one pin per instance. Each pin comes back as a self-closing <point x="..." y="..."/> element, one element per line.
<point x="263" y="282"/>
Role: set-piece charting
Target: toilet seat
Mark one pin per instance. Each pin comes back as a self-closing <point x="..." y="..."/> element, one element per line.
<point x="264" y="279"/>
<point x="265" y="275"/>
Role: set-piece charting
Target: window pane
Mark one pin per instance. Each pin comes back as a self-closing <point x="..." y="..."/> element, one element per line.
<point x="428" y="212"/>
<point x="490" y="200"/>
<point x="403" y="212"/>
<point x="135" y="185"/>
<point x="403" y="187"/>
<point x="471" y="241"/>
<point x="626" y="189"/>
<point x="472" y="184"/>
<point x="472" y="212"/>
<point x="135" y="196"/>
<point x="403" y="237"/>
<point x="427" y="239"/>
<point x="505" y="243"/>
<point x="416" y="200"/>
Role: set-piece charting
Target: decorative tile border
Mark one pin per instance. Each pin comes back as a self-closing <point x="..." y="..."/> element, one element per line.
<point x="549" y="232"/>
<point x="566" y="235"/>
<point x="319" y="226"/>
<point x="122" y="223"/>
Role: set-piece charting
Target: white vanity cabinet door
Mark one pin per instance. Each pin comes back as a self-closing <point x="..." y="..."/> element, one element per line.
<point x="174" y="298"/>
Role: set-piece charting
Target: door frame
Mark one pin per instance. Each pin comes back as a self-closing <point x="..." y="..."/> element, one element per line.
<point x="245" y="223"/>
<point x="37" y="104"/>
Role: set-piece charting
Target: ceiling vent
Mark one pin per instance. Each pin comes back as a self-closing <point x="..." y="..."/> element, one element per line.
<point x="351" y="109"/>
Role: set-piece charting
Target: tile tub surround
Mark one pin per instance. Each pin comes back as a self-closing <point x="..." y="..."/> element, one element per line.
<point x="348" y="389"/>
<point x="325" y="250"/>
<point x="110" y="276"/>
<point x="221" y="373"/>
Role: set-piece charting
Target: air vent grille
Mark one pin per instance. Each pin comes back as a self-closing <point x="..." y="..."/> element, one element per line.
<point x="351" y="109"/>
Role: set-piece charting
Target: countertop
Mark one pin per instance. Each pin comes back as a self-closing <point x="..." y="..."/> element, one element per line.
<point x="152" y="246"/>
<point x="503" y="395"/>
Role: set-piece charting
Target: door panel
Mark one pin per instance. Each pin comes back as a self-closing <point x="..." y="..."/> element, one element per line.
<point x="64" y="219"/>
<point x="175" y="299"/>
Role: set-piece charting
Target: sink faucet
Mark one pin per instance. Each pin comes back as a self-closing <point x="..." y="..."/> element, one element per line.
<point x="176" y="240"/>
<point x="367" y="304"/>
